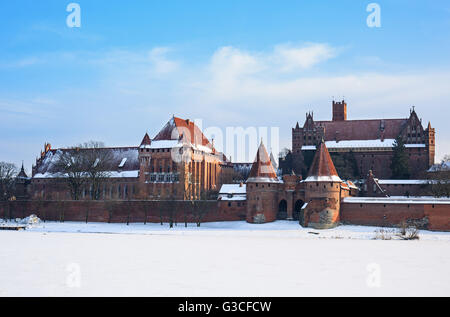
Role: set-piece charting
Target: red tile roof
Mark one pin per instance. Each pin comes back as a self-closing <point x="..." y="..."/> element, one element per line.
<point x="362" y="129"/>
<point x="262" y="167"/>
<point x="322" y="164"/>
<point x="146" y="140"/>
<point x="185" y="128"/>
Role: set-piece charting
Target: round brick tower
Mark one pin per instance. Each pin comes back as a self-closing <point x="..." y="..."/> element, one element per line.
<point x="322" y="192"/>
<point x="262" y="189"/>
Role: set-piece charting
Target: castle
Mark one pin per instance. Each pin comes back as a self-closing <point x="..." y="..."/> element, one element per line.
<point x="315" y="201"/>
<point x="364" y="144"/>
<point x="181" y="165"/>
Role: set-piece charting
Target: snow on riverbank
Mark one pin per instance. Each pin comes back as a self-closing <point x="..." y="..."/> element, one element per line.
<point x="218" y="263"/>
<point x="236" y="228"/>
<point x="219" y="259"/>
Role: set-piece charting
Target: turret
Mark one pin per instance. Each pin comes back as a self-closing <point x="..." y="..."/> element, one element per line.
<point x="322" y="192"/>
<point x="262" y="186"/>
<point x="145" y="156"/>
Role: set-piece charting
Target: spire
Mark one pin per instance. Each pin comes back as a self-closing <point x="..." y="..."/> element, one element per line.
<point x="22" y="173"/>
<point x="146" y="140"/>
<point x="262" y="169"/>
<point x="322" y="168"/>
<point x="272" y="159"/>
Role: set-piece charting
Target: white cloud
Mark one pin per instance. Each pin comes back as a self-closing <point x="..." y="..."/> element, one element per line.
<point x="162" y="65"/>
<point x="235" y="87"/>
<point x="291" y="58"/>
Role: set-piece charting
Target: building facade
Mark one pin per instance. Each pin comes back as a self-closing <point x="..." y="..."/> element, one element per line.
<point x="180" y="163"/>
<point x="314" y="202"/>
<point x="366" y="144"/>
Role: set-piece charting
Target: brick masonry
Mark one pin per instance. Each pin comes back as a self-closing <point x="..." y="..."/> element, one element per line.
<point x="124" y="211"/>
<point x="436" y="217"/>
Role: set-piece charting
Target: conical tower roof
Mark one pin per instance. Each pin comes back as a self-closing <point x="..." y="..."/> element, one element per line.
<point x="146" y="140"/>
<point x="262" y="169"/>
<point x="322" y="168"/>
<point x="274" y="162"/>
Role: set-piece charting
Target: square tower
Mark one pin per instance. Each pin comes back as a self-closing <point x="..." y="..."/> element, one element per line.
<point x="339" y="111"/>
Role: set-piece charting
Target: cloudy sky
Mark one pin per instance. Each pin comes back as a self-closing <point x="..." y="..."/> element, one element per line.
<point x="233" y="63"/>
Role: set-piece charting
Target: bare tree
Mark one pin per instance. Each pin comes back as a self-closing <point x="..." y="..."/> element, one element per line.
<point x="70" y="165"/>
<point x="88" y="164"/>
<point x="8" y="172"/>
<point x="439" y="183"/>
<point x="200" y="206"/>
<point x="97" y="161"/>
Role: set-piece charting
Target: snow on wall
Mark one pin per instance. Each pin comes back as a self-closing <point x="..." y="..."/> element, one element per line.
<point x="387" y="143"/>
<point x="397" y="200"/>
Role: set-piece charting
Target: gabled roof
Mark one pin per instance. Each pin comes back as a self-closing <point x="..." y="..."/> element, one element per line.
<point x="262" y="169"/>
<point x="362" y="129"/>
<point x="126" y="157"/>
<point x="322" y="168"/>
<point x="177" y="128"/>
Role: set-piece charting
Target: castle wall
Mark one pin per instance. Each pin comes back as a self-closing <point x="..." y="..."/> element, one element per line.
<point x="125" y="211"/>
<point x="434" y="216"/>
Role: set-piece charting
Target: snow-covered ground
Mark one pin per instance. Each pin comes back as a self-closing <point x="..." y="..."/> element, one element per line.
<point x="219" y="259"/>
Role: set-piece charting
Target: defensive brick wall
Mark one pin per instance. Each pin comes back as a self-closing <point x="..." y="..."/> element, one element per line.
<point x="123" y="211"/>
<point x="433" y="216"/>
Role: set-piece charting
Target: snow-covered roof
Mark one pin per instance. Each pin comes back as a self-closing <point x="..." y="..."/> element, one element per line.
<point x="403" y="181"/>
<point x="351" y="185"/>
<point x="162" y="144"/>
<point x="126" y="157"/>
<point x="330" y="178"/>
<point x="122" y="163"/>
<point x="264" y="180"/>
<point x="109" y="174"/>
<point x="444" y="166"/>
<point x="233" y="192"/>
<point x="233" y="189"/>
<point x="397" y="200"/>
<point x="345" y="144"/>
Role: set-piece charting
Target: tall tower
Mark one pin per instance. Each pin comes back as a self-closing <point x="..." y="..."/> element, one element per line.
<point x="431" y="144"/>
<point x="339" y="111"/>
<point x="322" y="192"/>
<point x="145" y="158"/>
<point x="262" y="188"/>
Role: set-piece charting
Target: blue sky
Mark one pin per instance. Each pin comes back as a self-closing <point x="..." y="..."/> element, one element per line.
<point x="133" y="64"/>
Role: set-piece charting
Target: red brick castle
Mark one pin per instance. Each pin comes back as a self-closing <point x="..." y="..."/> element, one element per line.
<point x="366" y="143"/>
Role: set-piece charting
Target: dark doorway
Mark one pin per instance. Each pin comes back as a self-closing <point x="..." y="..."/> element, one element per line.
<point x="297" y="209"/>
<point x="282" y="210"/>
